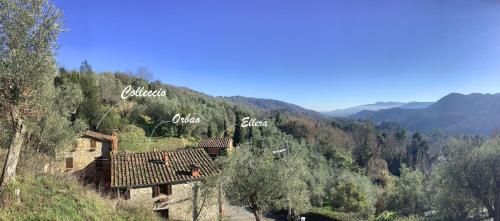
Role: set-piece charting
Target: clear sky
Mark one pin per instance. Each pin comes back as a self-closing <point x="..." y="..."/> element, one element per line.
<point x="321" y="55"/>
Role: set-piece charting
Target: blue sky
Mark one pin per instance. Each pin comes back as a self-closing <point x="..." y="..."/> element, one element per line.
<point x="321" y="55"/>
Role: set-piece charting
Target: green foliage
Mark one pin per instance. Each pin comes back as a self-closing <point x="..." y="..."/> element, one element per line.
<point x="470" y="172"/>
<point x="417" y="152"/>
<point x="238" y="136"/>
<point x="320" y="178"/>
<point x="327" y="214"/>
<point x="110" y="88"/>
<point x="68" y="97"/>
<point x="354" y="193"/>
<point x="28" y="36"/>
<point x="53" y="131"/>
<point x="251" y="178"/>
<point x="387" y="216"/>
<point x="90" y="108"/>
<point x="409" y="196"/>
<point x="293" y="174"/>
<point x="109" y="119"/>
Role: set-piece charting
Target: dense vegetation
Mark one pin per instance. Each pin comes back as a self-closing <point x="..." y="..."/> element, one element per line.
<point x="341" y="169"/>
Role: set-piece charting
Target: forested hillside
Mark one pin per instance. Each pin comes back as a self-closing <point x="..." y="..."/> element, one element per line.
<point x="274" y="105"/>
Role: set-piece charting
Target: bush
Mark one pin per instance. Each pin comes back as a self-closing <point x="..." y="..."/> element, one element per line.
<point x="354" y="193"/>
<point x="408" y="195"/>
<point x="387" y="216"/>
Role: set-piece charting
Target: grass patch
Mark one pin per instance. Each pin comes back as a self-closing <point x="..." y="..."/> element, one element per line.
<point x="50" y="197"/>
<point x="133" y="138"/>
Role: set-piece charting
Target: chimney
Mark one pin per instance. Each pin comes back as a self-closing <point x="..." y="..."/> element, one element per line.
<point x="114" y="141"/>
<point x="195" y="170"/>
<point x="165" y="159"/>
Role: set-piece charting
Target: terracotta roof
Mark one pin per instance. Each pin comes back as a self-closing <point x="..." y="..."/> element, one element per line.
<point x="148" y="168"/>
<point x="215" y="142"/>
<point x="97" y="135"/>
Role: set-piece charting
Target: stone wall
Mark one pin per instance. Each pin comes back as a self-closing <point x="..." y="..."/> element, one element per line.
<point x="179" y="203"/>
<point x="142" y="196"/>
<point x="83" y="157"/>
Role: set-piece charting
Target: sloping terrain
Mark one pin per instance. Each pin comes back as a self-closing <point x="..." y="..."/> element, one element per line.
<point x="455" y="113"/>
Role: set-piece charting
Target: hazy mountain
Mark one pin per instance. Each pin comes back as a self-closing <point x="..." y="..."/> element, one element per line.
<point x="376" y="106"/>
<point x="273" y="105"/>
<point x="416" y="105"/>
<point x="456" y="113"/>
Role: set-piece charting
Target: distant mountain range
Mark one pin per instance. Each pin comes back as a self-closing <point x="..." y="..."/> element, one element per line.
<point x="455" y="113"/>
<point x="376" y="106"/>
<point x="274" y="105"/>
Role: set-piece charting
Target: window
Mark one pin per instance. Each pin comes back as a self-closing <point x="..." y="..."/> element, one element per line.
<point x="93" y="144"/>
<point x="162" y="189"/>
<point x="166" y="189"/>
<point x="69" y="162"/>
<point x="124" y="193"/>
<point x="156" y="191"/>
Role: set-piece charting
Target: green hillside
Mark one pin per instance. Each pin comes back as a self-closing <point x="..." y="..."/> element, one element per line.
<point x="46" y="196"/>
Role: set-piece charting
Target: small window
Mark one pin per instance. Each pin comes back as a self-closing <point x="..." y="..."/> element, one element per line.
<point x="93" y="144"/>
<point x="69" y="162"/>
<point x="124" y="193"/>
<point x="156" y="191"/>
<point x="166" y="189"/>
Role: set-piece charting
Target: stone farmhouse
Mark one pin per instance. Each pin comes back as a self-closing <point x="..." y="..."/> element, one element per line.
<point x="216" y="146"/>
<point x="166" y="181"/>
<point x="90" y="158"/>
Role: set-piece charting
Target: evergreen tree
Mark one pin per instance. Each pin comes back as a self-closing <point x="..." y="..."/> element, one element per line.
<point x="250" y="133"/>
<point x="209" y="131"/>
<point x="90" y="108"/>
<point x="237" y="138"/>
<point x="226" y="134"/>
<point x="417" y="151"/>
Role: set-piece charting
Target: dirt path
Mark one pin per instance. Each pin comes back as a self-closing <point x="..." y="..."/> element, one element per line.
<point x="240" y="213"/>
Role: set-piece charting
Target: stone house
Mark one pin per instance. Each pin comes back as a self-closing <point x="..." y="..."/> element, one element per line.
<point x="216" y="146"/>
<point x="166" y="181"/>
<point x="90" y="157"/>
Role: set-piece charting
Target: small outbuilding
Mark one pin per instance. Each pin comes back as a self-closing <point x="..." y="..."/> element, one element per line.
<point x="90" y="157"/>
<point x="216" y="146"/>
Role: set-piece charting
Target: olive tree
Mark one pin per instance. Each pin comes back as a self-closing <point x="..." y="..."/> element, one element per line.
<point x="28" y="35"/>
<point x="293" y="175"/>
<point x="251" y="179"/>
<point x="474" y="173"/>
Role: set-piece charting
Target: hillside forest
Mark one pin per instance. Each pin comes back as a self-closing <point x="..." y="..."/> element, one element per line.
<point x="330" y="169"/>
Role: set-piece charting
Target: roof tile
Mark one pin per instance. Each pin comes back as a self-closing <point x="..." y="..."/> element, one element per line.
<point x="148" y="168"/>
